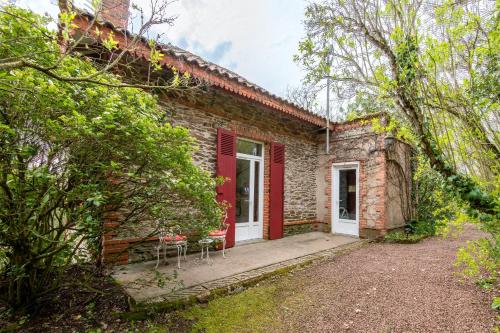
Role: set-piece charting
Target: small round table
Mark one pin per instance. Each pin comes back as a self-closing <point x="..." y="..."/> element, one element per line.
<point x="205" y="245"/>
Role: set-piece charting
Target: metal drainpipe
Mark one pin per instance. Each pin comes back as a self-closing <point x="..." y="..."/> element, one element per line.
<point x="328" y="115"/>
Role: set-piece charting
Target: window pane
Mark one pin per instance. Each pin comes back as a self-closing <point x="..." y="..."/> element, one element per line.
<point x="347" y="194"/>
<point x="242" y="191"/>
<point x="256" y="200"/>
<point x="249" y="148"/>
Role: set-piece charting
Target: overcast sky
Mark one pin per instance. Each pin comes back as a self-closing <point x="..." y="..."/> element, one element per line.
<point x="256" y="39"/>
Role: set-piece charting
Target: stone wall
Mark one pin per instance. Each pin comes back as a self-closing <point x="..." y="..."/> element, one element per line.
<point x="251" y="122"/>
<point x="356" y="142"/>
<point x="301" y="228"/>
<point x="398" y="184"/>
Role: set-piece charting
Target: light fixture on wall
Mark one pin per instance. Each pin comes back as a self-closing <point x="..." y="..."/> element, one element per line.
<point x="389" y="141"/>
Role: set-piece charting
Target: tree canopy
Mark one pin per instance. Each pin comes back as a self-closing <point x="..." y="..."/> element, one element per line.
<point x="437" y="62"/>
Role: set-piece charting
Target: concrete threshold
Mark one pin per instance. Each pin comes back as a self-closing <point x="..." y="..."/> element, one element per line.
<point x="250" y="241"/>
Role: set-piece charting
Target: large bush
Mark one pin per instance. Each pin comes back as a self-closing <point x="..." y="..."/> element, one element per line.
<point x="72" y="151"/>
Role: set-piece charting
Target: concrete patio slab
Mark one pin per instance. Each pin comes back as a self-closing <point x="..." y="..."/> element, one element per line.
<point x="243" y="262"/>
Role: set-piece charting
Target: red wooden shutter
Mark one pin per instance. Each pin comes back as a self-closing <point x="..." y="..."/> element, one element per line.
<point x="277" y="189"/>
<point x="226" y="167"/>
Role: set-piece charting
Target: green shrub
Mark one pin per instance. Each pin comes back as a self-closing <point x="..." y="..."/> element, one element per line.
<point x="402" y="237"/>
<point x="475" y="261"/>
<point x="495" y="305"/>
<point x="71" y="152"/>
<point x="422" y="227"/>
<point x="414" y="232"/>
<point x="434" y="202"/>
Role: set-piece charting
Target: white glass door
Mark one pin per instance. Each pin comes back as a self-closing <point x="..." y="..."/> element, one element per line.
<point x="345" y="199"/>
<point x="248" y="191"/>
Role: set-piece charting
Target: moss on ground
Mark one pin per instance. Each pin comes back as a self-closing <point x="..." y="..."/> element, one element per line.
<point x="249" y="311"/>
<point x="258" y="309"/>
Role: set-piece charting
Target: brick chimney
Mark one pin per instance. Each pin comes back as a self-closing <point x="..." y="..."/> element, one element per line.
<point x="116" y="12"/>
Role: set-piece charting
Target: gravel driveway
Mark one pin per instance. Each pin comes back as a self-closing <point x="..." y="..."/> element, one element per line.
<point x="391" y="288"/>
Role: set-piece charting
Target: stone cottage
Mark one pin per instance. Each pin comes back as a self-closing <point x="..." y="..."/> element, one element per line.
<point x="281" y="179"/>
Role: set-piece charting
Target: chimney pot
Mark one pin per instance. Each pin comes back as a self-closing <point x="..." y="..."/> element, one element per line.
<point x="115" y="12"/>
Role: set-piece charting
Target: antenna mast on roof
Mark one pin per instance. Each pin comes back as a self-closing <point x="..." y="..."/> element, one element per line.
<point x="328" y="114"/>
<point x="328" y="77"/>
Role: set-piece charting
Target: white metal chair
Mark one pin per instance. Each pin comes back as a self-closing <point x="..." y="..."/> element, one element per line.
<point x="170" y="240"/>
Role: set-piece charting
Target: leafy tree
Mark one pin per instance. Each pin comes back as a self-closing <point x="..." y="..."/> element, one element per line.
<point x="113" y="52"/>
<point x="72" y="151"/>
<point x="438" y="63"/>
<point x="363" y="104"/>
<point x="390" y="50"/>
<point x="305" y="97"/>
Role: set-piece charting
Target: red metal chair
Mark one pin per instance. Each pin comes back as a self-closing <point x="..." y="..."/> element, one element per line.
<point x="220" y="234"/>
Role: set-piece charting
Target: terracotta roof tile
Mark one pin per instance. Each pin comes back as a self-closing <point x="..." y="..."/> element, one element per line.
<point x="268" y="99"/>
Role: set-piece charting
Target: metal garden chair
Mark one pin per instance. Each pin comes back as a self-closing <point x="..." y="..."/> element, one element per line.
<point x="170" y="240"/>
<point x="219" y="235"/>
